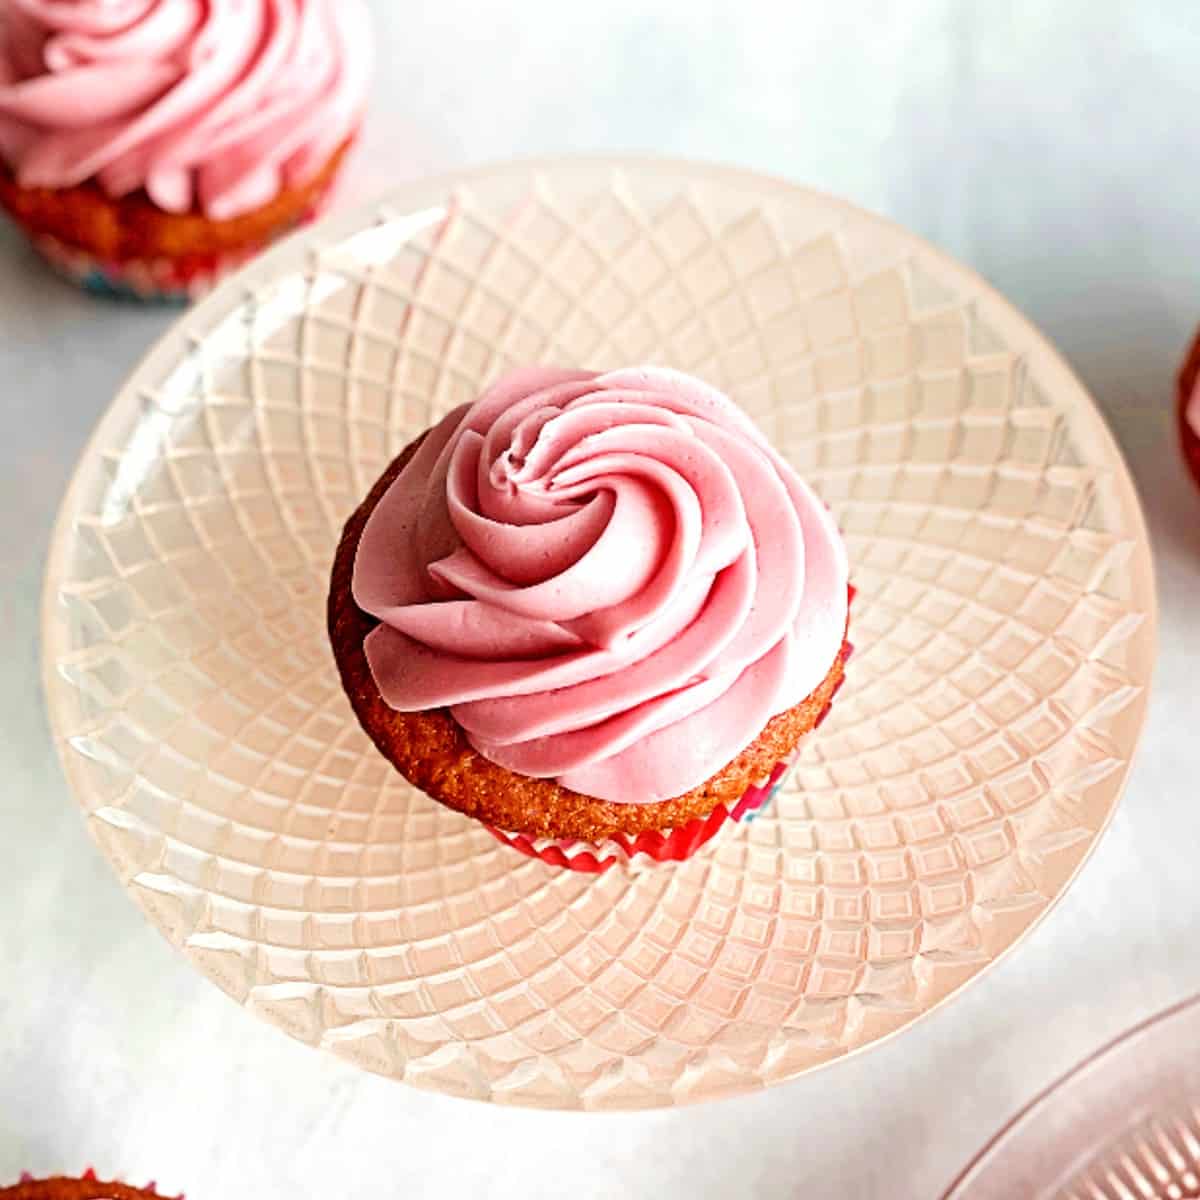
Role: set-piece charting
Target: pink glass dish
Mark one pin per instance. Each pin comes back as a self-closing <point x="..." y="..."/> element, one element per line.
<point x="1004" y="633"/>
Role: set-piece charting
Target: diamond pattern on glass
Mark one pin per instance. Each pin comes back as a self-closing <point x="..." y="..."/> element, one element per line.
<point x="1003" y="629"/>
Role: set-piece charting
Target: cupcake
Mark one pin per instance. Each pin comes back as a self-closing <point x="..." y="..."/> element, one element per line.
<point x="63" y="1188"/>
<point x="596" y="613"/>
<point x="148" y="146"/>
<point x="1188" y="400"/>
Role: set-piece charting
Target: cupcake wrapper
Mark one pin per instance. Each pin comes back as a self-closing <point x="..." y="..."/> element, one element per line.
<point x="157" y="281"/>
<point x="160" y="280"/>
<point x="667" y="845"/>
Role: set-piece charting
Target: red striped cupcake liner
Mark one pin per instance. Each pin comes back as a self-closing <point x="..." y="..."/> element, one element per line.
<point x="666" y="845"/>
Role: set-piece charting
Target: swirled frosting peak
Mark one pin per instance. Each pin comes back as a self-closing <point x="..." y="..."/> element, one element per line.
<point x="610" y="580"/>
<point x="209" y="104"/>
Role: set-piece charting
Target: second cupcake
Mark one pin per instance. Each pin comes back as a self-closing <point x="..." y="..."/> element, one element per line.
<point x="1187" y="398"/>
<point x="595" y="612"/>
<point x="148" y="146"/>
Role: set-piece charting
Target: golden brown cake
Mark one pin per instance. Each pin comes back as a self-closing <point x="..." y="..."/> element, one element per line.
<point x="133" y="229"/>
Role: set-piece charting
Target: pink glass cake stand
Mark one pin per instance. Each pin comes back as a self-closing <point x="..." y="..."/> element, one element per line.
<point x="1004" y="634"/>
<point x="1123" y="1125"/>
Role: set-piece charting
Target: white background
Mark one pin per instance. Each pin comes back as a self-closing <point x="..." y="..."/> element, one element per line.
<point x="1052" y="146"/>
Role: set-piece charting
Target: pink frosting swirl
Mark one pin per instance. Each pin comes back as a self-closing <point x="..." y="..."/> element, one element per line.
<point x="610" y="580"/>
<point x="215" y="104"/>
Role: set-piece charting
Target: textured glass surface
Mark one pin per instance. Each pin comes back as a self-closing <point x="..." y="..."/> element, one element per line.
<point x="1003" y="625"/>
<point x="1124" y="1125"/>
